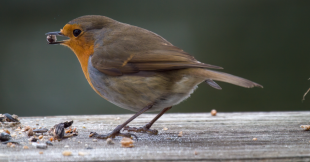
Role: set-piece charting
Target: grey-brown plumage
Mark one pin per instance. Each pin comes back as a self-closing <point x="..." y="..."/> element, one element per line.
<point x="137" y="69"/>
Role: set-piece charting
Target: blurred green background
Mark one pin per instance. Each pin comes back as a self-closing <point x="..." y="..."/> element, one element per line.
<point x="266" y="41"/>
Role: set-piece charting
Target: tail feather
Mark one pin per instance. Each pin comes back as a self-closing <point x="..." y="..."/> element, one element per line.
<point x="228" y="78"/>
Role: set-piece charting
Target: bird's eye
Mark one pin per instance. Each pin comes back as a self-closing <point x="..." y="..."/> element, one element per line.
<point x="76" y="32"/>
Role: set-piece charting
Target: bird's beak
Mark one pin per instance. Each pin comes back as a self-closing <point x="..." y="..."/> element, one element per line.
<point x="51" y="37"/>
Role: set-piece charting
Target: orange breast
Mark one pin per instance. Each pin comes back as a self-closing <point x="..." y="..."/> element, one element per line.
<point x="83" y="49"/>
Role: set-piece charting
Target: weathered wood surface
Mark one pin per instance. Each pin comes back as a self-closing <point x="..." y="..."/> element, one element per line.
<point x="225" y="137"/>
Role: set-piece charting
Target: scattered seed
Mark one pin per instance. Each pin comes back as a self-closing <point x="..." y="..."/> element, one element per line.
<point x="41" y="145"/>
<point x="180" y="134"/>
<point x="127" y="142"/>
<point x="49" y="143"/>
<point x="51" y="139"/>
<point x="51" y="38"/>
<point x="254" y="139"/>
<point x="84" y="127"/>
<point x="27" y="128"/>
<point x="305" y="127"/>
<point x="67" y="153"/>
<point x="41" y="152"/>
<point x="82" y="153"/>
<point x="165" y="128"/>
<point x="7" y="131"/>
<point x="195" y="153"/>
<point x="110" y="141"/>
<point x="25" y="147"/>
<point x="213" y="112"/>
<point x="9" y="144"/>
<point x="13" y="135"/>
<point x="94" y="140"/>
<point x="13" y="145"/>
<point x="40" y="137"/>
<point x="30" y="132"/>
<point x="5" y="136"/>
<point x="33" y="139"/>
<point x="69" y="130"/>
<point x="66" y="146"/>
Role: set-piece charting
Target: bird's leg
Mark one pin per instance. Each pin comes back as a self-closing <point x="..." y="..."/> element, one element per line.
<point x="116" y="131"/>
<point x="146" y="128"/>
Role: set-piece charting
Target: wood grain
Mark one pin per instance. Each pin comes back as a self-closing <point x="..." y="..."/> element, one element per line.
<point x="224" y="137"/>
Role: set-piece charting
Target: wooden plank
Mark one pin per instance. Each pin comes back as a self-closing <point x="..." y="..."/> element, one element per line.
<point x="225" y="137"/>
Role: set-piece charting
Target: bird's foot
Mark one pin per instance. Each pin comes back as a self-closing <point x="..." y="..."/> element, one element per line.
<point x="113" y="134"/>
<point x="144" y="129"/>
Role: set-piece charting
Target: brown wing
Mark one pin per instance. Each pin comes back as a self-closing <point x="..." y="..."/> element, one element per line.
<point x="129" y="49"/>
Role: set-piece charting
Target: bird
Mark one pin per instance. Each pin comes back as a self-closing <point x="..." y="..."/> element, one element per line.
<point x="136" y="69"/>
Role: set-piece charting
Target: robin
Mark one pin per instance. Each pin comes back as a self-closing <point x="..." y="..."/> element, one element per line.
<point x="136" y="69"/>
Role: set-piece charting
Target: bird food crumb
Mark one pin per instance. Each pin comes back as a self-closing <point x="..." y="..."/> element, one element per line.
<point x="25" y="147"/>
<point x="110" y="141"/>
<point x="254" y="139"/>
<point x="7" y="131"/>
<point x="27" y="128"/>
<point x="51" y="38"/>
<point x="165" y="128"/>
<point x="213" y="112"/>
<point x="305" y="127"/>
<point x="40" y="137"/>
<point x="30" y="132"/>
<point x="9" y="144"/>
<point x="94" y="140"/>
<point x="82" y="153"/>
<point x="180" y="134"/>
<point x="67" y="153"/>
<point x="12" y="145"/>
<point x="127" y="142"/>
<point x="195" y="153"/>
<point x="41" y="152"/>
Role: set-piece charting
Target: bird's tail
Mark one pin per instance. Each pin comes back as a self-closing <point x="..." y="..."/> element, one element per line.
<point x="211" y="75"/>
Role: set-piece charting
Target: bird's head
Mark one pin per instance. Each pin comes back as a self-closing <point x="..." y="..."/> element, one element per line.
<point x="81" y="32"/>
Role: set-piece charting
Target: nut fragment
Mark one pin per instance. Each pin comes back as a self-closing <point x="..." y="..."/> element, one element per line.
<point x="254" y="139"/>
<point x="49" y="143"/>
<point x="180" y="134"/>
<point x="82" y="153"/>
<point x="213" y="112"/>
<point x="40" y="137"/>
<point x="127" y="142"/>
<point x="33" y="139"/>
<point x="51" y="38"/>
<point x="40" y="145"/>
<point x="165" y="128"/>
<point x="30" y="132"/>
<point x="305" y="127"/>
<point x="7" y="131"/>
<point x="9" y="144"/>
<point x="67" y="153"/>
<point x="27" y="128"/>
<point x="110" y="141"/>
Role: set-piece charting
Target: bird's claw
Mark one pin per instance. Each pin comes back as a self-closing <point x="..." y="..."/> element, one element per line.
<point x="143" y="129"/>
<point x="112" y="135"/>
